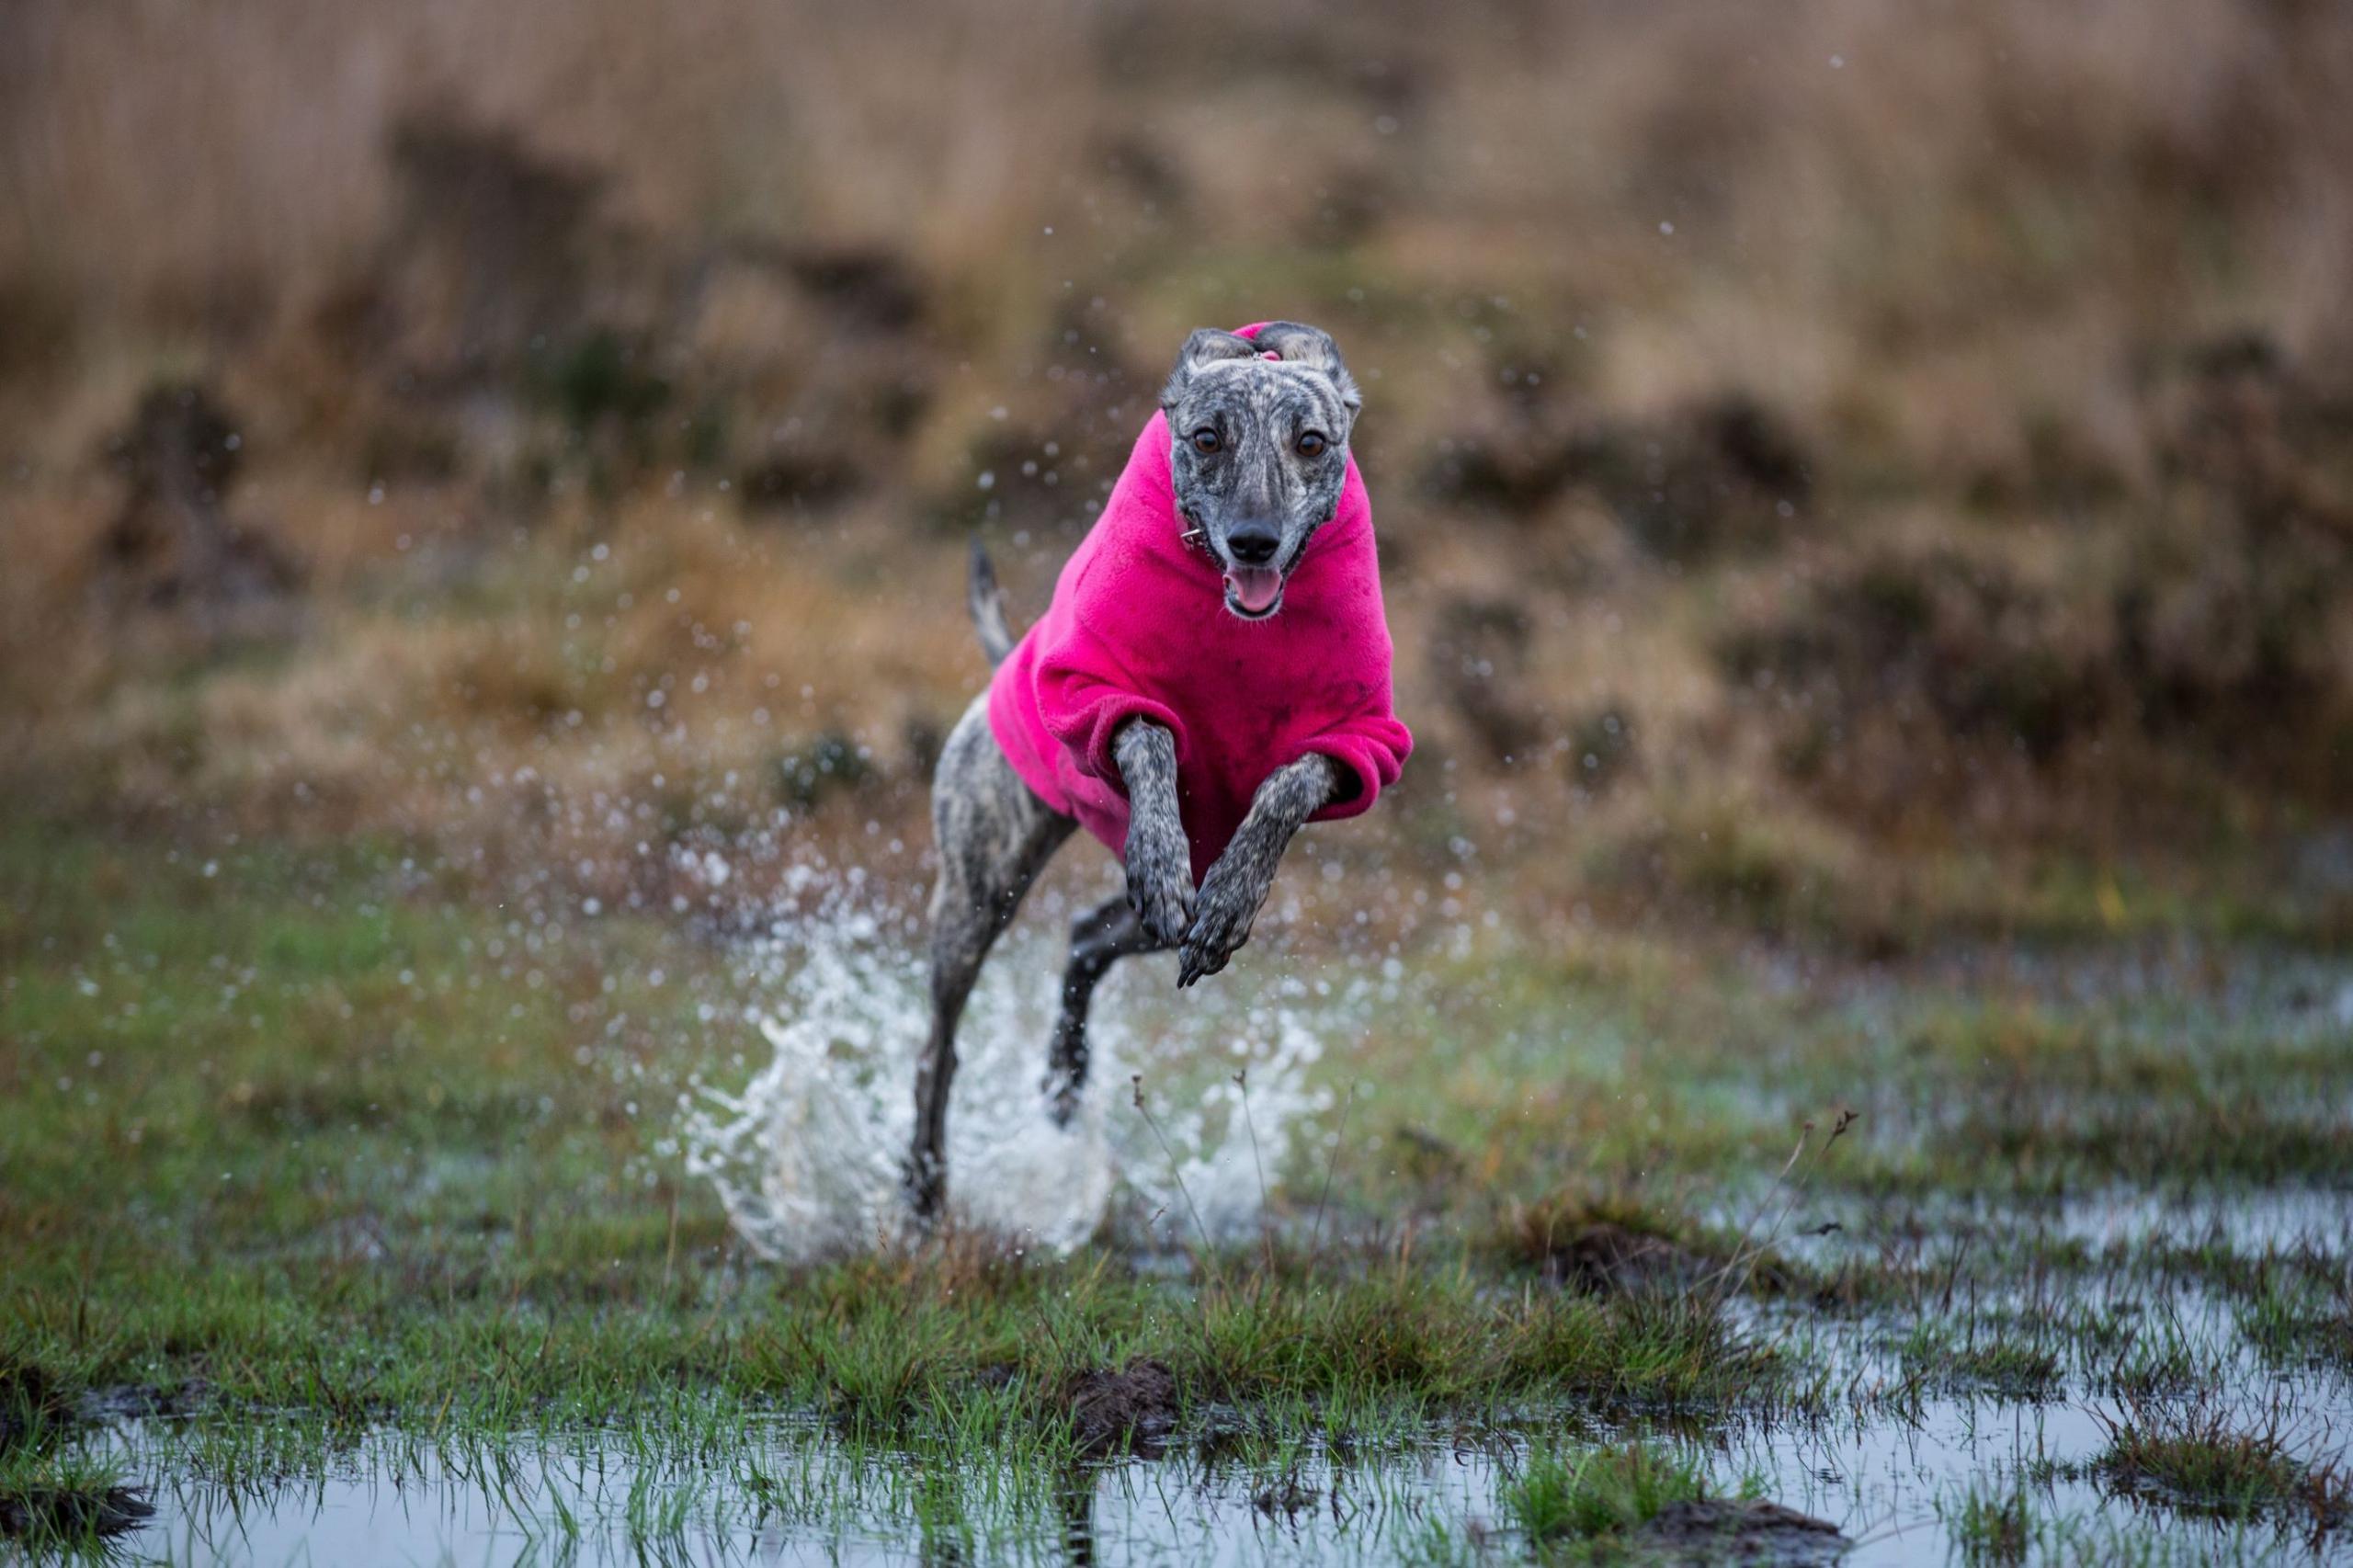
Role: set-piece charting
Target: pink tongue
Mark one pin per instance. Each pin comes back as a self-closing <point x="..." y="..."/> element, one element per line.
<point x="1256" y="587"/>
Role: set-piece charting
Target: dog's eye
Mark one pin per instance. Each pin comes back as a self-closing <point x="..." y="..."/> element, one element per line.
<point x="1310" y="443"/>
<point x="1205" y="440"/>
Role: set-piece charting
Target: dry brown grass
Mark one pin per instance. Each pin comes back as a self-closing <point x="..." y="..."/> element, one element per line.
<point x="750" y="298"/>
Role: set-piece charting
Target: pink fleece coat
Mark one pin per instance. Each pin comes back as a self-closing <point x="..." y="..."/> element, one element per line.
<point x="1138" y="627"/>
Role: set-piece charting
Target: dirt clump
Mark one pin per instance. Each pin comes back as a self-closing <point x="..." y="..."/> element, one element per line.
<point x="173" y="545"/>
<point x="59" y="1513"/>
<point x="1127" y="1411"/>
<point x="1715" y="1530"/>
<point x="1602" y="1258"/>
<point x="30" y="1402"/>
<point x="1609" y="1248"/>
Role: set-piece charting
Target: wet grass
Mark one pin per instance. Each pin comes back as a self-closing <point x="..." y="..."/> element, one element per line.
<point x="2202" y="1460"/>
<point x="1608" y="1245"/>
<point x="344" y="1151"/>
<point x="1563" y="1497"/>
<point x="1991" y="1529"/>
<point x="280" y="1110"/>
<point x="1639" y="1501"/>
<point x="56" y="1500"/>
<point x="887" y="1347"/>
<point x="1998" y="1361"/>
<point x="2301" y="1324"/>
<point x="64" y="1503"/>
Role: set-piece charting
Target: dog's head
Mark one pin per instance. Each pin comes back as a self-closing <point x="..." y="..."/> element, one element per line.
<point x="1260" y="432"/>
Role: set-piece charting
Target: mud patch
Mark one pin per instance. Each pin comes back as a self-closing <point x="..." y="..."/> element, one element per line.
<point x="31" y="1401"/>
<point x="1126" y="1412"/>
<point x="1604" y="1258"/>
<point x="174" y="545"/>
<point x="1605" y="1250"/>
<point x="1711" y="1530"/>
<point x="70" y="1513"/>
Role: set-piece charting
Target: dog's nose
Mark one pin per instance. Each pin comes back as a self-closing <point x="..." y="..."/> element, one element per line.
<point x="1254" y="543"/>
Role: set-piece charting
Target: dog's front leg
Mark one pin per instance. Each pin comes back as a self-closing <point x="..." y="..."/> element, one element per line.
<point x="1238" y="884"/>
<point x="1159" y="859"/>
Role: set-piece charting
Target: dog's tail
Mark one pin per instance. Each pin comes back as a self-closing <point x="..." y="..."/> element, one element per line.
<point x="986" y="601"/>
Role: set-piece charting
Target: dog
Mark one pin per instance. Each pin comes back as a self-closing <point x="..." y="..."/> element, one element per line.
<point x="1212" y="673"/>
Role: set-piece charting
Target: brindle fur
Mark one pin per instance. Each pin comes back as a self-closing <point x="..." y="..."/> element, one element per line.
<point x="1258" y="409"/>
<point x="994" y="835"/>
<point x="1239" y="881"/>
<point x="1159" y="859"/>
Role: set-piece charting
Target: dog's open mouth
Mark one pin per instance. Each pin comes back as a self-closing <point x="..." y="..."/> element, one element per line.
<point x="1254" y="592"/>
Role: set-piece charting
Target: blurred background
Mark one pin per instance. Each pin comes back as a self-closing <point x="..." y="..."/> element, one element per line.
<point x="1853" y="473"/>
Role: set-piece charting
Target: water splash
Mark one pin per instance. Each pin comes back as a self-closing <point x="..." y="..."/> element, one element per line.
<point x="806" y="1157"/>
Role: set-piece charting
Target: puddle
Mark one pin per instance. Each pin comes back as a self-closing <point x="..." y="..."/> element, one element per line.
<point x="2272" y="1219"/>
<point x="789" y="1493"/>
<point x="792" y="1496"/>
<point x="1891" y="1468"/>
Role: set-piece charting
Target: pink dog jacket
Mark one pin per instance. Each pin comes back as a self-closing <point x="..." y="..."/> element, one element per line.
<point x="1138" y="627"/>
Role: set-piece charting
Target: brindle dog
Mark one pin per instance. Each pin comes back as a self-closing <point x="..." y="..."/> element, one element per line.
<point x="1259" y="453"/>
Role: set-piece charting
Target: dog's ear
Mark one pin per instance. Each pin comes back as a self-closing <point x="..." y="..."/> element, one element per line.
<point x="1312" y="346"/>
<point x="1206" y="346"/>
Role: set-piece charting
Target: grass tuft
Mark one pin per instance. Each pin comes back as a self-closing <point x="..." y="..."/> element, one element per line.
<point x="1612" y="1243"/>
<point x="1648" y="1503"/>
<point x="34" y="1404"/>
<point x="64" y="1504"/>
<point x="1600" y="1492"/>
<point x="1992" y="1529"/>
<point x="2293" y="1329"/>
<point x="1991" y="1365"/>
<point x="2196" y="1461"/>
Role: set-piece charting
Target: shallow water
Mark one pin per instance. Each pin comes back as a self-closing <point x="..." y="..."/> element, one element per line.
<point x="816" y="1505"/>
<point x="791" y="1494"/>
<point x="1891" y="1470"/>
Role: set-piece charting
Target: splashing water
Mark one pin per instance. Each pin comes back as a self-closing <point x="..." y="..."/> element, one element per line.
<point x="807" y="1157"/>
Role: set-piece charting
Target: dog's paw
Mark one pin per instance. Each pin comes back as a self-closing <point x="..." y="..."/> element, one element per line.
<point x="1222" y="920"/>
<point x="1160" y="889"/>
<point x="1164" y="905"/>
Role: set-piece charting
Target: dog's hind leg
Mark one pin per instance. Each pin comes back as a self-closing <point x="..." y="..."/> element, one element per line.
<point x="1098" y="938"/>
<point x="993" y="836"/>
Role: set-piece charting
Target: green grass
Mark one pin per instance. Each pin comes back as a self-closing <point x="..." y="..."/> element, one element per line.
<point x="311" y="1129"/>
<point x="1993" y="1529"/>
<point x="358" y="1149"/>
<point x="62" y="1505"/>
<point x="1999" y="1360"/>
<point x="1648" y="1502"/>
<point x="2199" y="1459"/>
<point x="1560" y="1497"/>
<point x="2297" y="1323"/>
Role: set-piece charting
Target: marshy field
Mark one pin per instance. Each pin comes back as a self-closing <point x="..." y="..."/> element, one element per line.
<point x="1839" y="1047"/>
